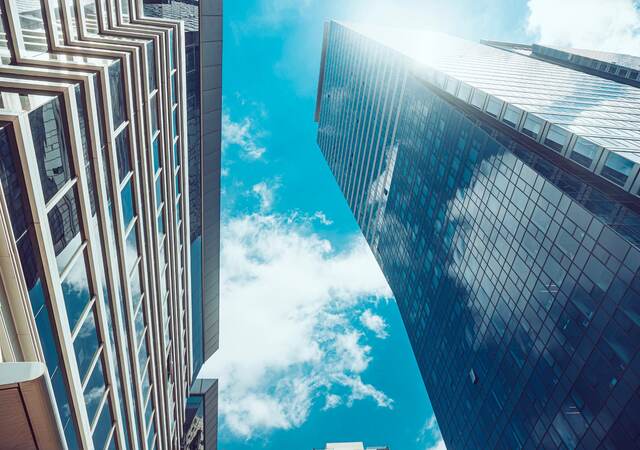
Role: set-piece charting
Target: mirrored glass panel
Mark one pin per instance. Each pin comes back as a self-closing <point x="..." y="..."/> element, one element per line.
<point x="64" y="224"/>
<point x="95" y="389"/>
<point x="75" y="289"/>
<point x="51" y="144"/>
<point x="116" y="85"/>
<point x="617" y="169"/>
<point x="86" y="344"/>
<point x="126" y="196"/>
<point x="123" y="153"/>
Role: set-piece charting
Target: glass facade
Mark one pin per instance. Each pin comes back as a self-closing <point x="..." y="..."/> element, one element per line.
<point x="94" y="212"/>
<point x="515" y="269"/>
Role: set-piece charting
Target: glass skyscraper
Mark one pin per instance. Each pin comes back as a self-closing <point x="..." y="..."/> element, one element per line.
<point x="96" y="306"/>
<point x="497" y="186"/>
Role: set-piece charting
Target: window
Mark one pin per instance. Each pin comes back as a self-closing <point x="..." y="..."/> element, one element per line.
<point x="463" y="93"/>
<point x="86" y="344"/>
<point x="584" y="152"/>
<point x="151" y="67"/>
<point x="51" y="147"/>
<point x="103" y="427"/>
<point x="95" y="389"/>
<point x="64" y="225"/>
<point x="156" y="156"/>
<point x="617" y="169"/>
<point x="478" y="99"/>
<point x="153" y="106"/>
<point x="556" y="138"/>
<point x="75" y="290"/>
<point x="494" y="106"/>
<point x="128" y="212"/>
<point x="131" y="248"/>
<point x="512" y="116"/>
<point x="452" y="86"/>
<point x="116" y="85"/>
<point x="532" y="126"/>
<point x="122" y="152"/>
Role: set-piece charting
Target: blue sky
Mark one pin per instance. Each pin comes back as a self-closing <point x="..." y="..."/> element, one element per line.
<point x="313" y="348"/>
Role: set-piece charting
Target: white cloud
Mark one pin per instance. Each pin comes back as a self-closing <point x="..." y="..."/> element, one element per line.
<point x="430" y="432"/>
<point x="611" y="25"/>
<point x="242" y="134"/>
<point x="286" y="339"/>
<point x="322" y="218"/>
<point x="265" y="194"/>
<point x="375" y="323"/>
<point x="331" y="401"/>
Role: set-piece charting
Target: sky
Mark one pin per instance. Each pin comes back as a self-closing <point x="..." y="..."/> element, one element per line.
<point x="312" y="346"/>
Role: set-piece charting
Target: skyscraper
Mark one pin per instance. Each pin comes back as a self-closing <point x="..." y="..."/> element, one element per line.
<point x="498" y="188"/>
<point x="96" y="301"/>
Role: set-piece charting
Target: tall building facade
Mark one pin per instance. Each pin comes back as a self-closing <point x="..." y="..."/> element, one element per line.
<point x="96" y="342"/>
<point x="498" y="189"/>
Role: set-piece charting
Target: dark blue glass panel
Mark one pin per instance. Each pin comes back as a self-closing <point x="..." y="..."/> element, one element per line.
<point x="94" y="390"/>
<point x="157" y="163"/>
<point x="48" y="129"/>
<point x="116" y="86"/>
<point x="153" y="108"/>
<point x="131" y="248"/>
<point x="196" y="304"/>
<point x="174" y="124"/>
<point x="11" y="179"/>
<point x="75" y="290"/>
<point x="60" y="391"/>
<point x="103" y="427"/>
<point x="151" y="67"/>
<point x="159" y="192"/>
<point x="128" y="211"/>
<point x="64" y="223"/>
<point x="71" y="435"/>
<point x="86" y="344"/>
<point x="123" y="153"/>
<point x="47" y="339"/>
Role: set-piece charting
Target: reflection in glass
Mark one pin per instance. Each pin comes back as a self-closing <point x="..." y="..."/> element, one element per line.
<point x="583" y="152"/>
<point x="478" y="99"/>
<point x="86" y="344"/>
<point x="94" y="390"/>
<point x="158" y="192"/>
<point x="151" y="67"/>
<point x="532" y="126"/>
<point x="176" y="153"/>
<point x="116" y="85"/>
<point x="122" y="152"/>
<point x="127" y="203"/>
<point x="84" y="138"/>
<point x="75" y="290"/>
<point x="556" y="138"/>
<point x="51" y="147"/>
<point x="153" y="106"/>
<point x="131" y="248"/>
<point x="64" y="225"/>
<point x="103" y="427"/>
<point x="157" y="163"/>
<point x="11" y="179"/>
<point x="494" y="106"/>
<point x="617" y="169"/>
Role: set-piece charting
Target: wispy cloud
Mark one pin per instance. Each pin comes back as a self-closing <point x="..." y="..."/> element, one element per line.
<point x="374" y="323"/>
<point x="430" y="435"/>
<point x="243" y="134"/>
<point x="265" y="193"/>
<point x="611" y="25"/>
<point x="287" y="338"/>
